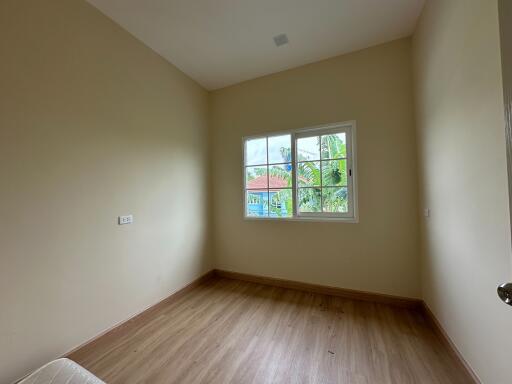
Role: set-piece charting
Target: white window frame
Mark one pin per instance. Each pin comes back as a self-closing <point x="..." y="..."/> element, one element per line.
<point x="349" y="128"/>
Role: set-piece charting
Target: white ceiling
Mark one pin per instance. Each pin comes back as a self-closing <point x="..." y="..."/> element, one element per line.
<point x="223" y="42"/>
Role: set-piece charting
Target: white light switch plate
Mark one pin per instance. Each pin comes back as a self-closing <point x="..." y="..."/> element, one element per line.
<point x="426" y="212"/>
<point x="123" y="220"/>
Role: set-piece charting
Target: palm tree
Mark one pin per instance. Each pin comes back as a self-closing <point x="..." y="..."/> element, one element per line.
<point x="325" y="180"/>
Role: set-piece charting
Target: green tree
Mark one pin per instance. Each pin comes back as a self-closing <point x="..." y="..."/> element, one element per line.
<point x="330" y="174"/>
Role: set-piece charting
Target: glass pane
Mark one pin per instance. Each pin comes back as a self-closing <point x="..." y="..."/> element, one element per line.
<point x="256" y="177"/>
<point x="308" y="174"/>
<point x="279" y="149"/>
<point x="281" y="203"/>
<point x="280" y="176"/>
<point x="256" y="151"/>
<point x="257" y="203"/>
<point x="334" y="173"/>
<point x="308" y="148"/>
<point x="335" y="200"/>
<point x="334" y="146"/>
<point x="310" y="200"/>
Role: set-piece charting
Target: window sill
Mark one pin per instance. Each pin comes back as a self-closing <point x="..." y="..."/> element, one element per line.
<point x="347" y="220"/>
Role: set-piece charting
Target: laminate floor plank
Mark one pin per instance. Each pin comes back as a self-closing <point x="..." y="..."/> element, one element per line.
<point x="229" y="331"/>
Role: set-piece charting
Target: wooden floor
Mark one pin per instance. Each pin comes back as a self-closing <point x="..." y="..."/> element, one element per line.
<point x="228" y="331"/>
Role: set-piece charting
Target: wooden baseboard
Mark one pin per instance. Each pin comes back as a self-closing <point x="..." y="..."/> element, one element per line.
<point x="127" y="325"/>
<point x="404" y="302"/>
<point x="472" y="378"/>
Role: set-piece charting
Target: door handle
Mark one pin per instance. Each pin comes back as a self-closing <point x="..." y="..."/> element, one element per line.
<point x="505" y="293"/>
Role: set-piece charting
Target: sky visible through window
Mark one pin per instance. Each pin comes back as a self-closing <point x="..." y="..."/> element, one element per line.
<point x="279" y="150"/>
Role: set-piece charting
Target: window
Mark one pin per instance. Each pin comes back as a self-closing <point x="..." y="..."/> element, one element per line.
<point x="304" y="174"/>
<point x="268" y="176"/>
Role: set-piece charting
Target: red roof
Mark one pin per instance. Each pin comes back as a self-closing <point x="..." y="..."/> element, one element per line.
<point x="261" y="182"/>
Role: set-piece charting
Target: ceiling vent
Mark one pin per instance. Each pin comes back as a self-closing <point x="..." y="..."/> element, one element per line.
<point x="281" y="39"/>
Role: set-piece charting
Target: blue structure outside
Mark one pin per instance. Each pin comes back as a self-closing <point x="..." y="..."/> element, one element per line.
<point x="257" y="205"/>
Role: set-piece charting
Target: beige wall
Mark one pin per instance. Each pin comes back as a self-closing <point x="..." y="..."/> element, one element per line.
<point x="92" y="125"/>
<point x="378" y="254"/>
<point x="466" y="241"/>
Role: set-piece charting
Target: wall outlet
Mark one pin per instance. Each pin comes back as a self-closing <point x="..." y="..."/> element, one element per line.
<point x="123" y="220"/>
<point x="426" y="212"/>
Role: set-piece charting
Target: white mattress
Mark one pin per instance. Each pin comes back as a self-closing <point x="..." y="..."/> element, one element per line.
<point x="62" y="371"/>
